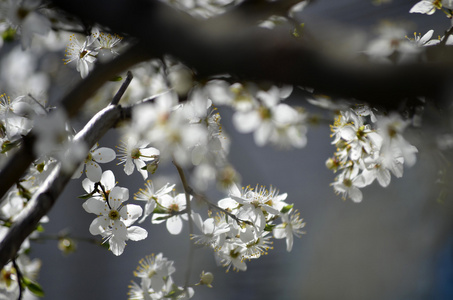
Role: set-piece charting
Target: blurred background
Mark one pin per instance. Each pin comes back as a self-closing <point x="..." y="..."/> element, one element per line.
<point x="396" y="244"/>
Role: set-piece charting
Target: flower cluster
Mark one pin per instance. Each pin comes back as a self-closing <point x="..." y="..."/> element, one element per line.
<point x="114" y="218"/>
<point x="97" y="44"/>
<point x="154" y="272"/>
<point x="369" y="147"/>
<point x="260" y="110"/>
<point x="242" y="230"/>
<point x="190" y="133"/>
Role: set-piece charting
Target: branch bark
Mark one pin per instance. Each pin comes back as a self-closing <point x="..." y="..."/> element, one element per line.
<point x="218" y="46"/>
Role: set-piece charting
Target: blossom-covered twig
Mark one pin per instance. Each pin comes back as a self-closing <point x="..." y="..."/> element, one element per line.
<point x="216" y="207"/>
<point x="44" y="199"/>
<point x="72" y="102"/>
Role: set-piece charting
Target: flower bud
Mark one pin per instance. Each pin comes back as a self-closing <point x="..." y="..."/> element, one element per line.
<point x="152" y="166"/>
<point x="66" y="245"/>
<point x="206" y="279"/>
<point x="332" y="164"/>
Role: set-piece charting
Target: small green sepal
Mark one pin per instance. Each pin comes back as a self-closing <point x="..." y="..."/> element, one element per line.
<point x="286" y="208"/>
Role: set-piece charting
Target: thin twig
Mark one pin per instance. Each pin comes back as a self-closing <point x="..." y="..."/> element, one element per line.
<point x="116" y="99"/>
<point x="43" y="237"/>
<point x="447" y="34"/>
<point x="19" y="278"/>
<point x="210" y="204"/>
<point x="187" y="190"/>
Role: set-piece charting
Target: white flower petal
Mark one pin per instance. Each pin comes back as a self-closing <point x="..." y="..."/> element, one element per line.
<point x="246" y="122"/>
<point x="117" y="245"/>
<point x="99" y="225"/>
<point x="129" y="166"/>
<point x="79" y="171"/>
<point x="289" y="242"/>
<point x="149" y="152"/>
<point x="108" y="180"/>
<point x="93" y="171"/>
<point x="174" y="225"/>
<point x="423" y="7"/>
<point x="136" y="233"/>
<point x="131" y="213"/>
<point x="279" y="232"/>
<point x="96" y="206"/>
<point x="103" y="155"/>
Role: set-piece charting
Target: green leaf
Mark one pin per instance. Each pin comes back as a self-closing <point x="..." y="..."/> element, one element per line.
<point x="269" y="227"/>
<point x="9" y="34"/>
<point x="40" y="228"/>
<point x="162" y="218"/>
<point x="116" y="78"/>
<point x="160" y="210"/>
<point x="286" y="208"/>
<point x="86" y="196"/>
<point x="33" y="286"/>
<point x="175" y="293"/>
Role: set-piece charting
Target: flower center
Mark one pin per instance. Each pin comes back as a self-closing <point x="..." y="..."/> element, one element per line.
<point x="22" y="13"/>
<point x="234" y="254"/>
<point x="347" y="182"/>
<point x="174" y="207"/>
<point x="135" y="153"/>
<point x="83" y="53"/>
<point x="392" y="131"/>
<point x="89" y="157"/>
<point x="265" y="113"/>
<point x="8" y="276"/>
<point x="114" y="214"/>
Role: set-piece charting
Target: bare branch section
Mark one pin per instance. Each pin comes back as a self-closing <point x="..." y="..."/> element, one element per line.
<point x="218" y="46"/>
<point x="43" y="200"/>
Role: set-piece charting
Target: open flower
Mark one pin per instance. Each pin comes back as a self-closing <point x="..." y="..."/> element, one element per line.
<point x="115" y="219"/>
<point x="83" y="54"/>
<point x="173" y="206"/>
<point x="91" y="164"/>
<point x="291" y="225"/>
<point x="137" y="153"/>
<point x="149" y="195"/>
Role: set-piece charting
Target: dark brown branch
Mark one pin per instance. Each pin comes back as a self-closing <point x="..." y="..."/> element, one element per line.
<point x="216" y="46"/>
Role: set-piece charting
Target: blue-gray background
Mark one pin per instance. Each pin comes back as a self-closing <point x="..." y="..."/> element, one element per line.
<point x="394" y="245"/>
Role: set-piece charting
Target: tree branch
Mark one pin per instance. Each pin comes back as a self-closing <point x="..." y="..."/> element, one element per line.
<point x="216" y="46"/>
<point x="46" y="196"/>
<point x="116" y="99"/>
<point x="17" y="165"/>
